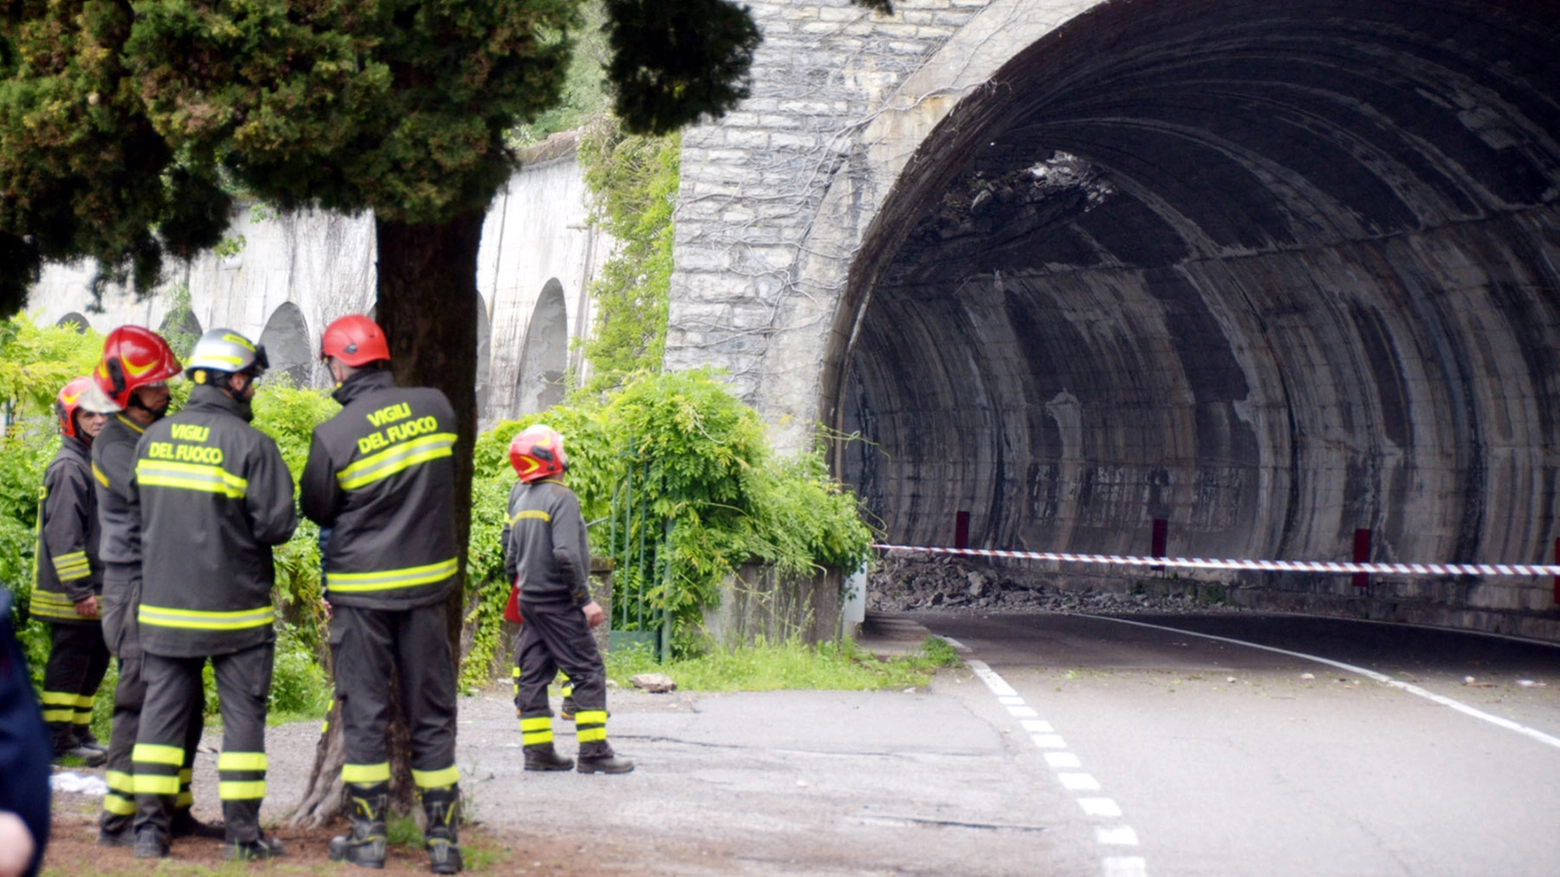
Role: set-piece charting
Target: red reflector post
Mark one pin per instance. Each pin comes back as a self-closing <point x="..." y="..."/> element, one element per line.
<point x="961" y="530"/>
<point x="1362" y="555"/>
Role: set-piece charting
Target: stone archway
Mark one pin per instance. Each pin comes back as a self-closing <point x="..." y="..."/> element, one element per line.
<point x="484" y="355"/>
<point x="74" y="319"/>
<point x="1271" y="272"/>
<point x="287" y="343"/>
<point x="544" y="359"/>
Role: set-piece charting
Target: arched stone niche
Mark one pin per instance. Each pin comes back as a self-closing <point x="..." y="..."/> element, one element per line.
<point x="544" y="359"/>
<point x="287" y="343"/>
<point x="74" y="319"/>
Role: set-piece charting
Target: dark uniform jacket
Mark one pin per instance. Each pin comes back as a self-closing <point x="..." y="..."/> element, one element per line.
<point x="545" y="544"/>
<point x="113" y="465"/>
<point x="24" y="742"/>
<point x="68" y="569"/>
<point x="214" y="496"/>
<point x="381" y="474"/>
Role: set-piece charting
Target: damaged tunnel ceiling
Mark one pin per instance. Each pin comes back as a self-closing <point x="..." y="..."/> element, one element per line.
<point x="1270" y="271"/>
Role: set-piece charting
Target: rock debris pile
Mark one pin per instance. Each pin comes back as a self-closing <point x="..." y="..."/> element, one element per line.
<point x="906" y="582"/>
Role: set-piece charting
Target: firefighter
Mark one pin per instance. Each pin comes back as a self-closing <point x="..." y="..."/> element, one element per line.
<point x="545" y="546"/>
<point x="214" y="496"/>
<point x="381" y="475"/>
<point x="68" y="578"/>
<point x="131" y="380"/>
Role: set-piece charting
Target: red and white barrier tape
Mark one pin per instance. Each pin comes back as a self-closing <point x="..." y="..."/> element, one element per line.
<point x="1402" y="569"/>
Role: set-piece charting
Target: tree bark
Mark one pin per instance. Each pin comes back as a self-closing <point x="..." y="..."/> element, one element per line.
<point x="427" y="306"/>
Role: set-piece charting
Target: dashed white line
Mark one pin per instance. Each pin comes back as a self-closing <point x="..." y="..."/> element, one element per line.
<point x="1079" y="782"/>
<point x="1045" y="737"/>
<point x="1100" y="807"/>
<point x="1124" y="866"/>
<point x="1118" y="835"/>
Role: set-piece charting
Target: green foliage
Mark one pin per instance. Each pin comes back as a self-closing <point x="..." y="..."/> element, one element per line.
<point x="584" y="94"/>
<point x="701" y="462"/>
<point x="938" y="652"/>
<point x="36" y="361"/>
<point x="769" y="667"/>
<point x="633" y="182"/>
<point x="299" y="689"/>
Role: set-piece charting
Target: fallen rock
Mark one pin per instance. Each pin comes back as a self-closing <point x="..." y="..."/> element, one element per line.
<point x="655" y="683"/>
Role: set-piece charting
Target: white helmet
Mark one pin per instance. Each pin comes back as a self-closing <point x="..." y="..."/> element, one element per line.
<point x="226" y="351"/>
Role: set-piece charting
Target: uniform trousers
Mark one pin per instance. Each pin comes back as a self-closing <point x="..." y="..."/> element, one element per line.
<point x="243" y="686"/>
<point x="555" y="636"/>
<point x="118" y="605"/>
<point x="366" y="645"/>
<point x="78" y="660"/>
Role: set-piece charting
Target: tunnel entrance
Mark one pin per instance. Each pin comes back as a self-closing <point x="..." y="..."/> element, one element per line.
<point x="1270" y="272"/>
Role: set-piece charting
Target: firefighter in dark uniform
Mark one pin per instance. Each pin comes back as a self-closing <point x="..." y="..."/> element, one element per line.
<point x="214" y="496"/>
<point x="545" y="546"/>
<point x="381" y="475"/>
<point x="131" y="379"/>
<point x="68" y="578"/>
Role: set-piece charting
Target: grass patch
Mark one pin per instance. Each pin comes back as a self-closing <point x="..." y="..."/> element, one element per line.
<point x="791" y="665"/>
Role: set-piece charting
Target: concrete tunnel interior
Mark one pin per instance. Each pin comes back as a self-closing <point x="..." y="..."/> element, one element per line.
<point x="1272" y="272"/>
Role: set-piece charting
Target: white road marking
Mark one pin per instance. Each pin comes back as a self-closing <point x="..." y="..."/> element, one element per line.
<point x="1384" y="679"/>
<point x="1124" y="866"/>
<point x="957" y="646"/>
<point x="1120" y="836"/>
<point x="996" y="683"/>
<point x="1100" y="807"/>
<point x="1044" y="737"/>
<point x="1079" y="782"/>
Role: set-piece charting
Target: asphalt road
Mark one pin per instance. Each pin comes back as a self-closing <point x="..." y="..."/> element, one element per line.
<point x="1082" y="746"/>
<point x="1230" y="760"/>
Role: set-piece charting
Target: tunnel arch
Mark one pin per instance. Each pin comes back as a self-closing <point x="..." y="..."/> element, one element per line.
<point x="544" y="358"/>
<point x="287" y="343"/>
<point x="1271" y="272"/>
<point x="74" y="319"/>
<point x="484" y="354"/>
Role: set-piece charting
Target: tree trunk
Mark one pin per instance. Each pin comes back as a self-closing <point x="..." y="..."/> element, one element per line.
<point x="428" y="308"/>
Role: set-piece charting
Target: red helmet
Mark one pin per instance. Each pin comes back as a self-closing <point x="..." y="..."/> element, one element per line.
<point x="66" y="403"/>
<point x="537" y="452"/>
<point x="133" y="357"/>
<point x="355" y="340"/>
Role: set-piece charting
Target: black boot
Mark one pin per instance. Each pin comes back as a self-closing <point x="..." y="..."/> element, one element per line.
<point x="364" y="843"/>
<point x="442" y="832"/>
<point x="542" y="756"/>
<point x="598" y="757"/>
<point x="150" y="843"/>
<point x="185" y="824"/>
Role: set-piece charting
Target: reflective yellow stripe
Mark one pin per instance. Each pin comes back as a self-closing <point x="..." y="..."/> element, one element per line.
<point x="384" y="580"/>
<point x="241" y="761"/>
<point x="52" y="605"/>
<point x="152" y="784"/>
<point x="247" y="790"/>
<point x="363" y="774"/>
<point x="118" y="805"/>
<point x="82" y="718"/>
<point x="590" y="717"/>
<point x="435" y="779"/>
<point x="159" y="616"/>
<point x="590" y="735"/>
<point x="140" y="430"/>
<point x="156" y="753"/>
<point x="186" y="774"/>
<point x="184" y="801"/>
<point x="396" y="459"/>
<point x="84" y="701"/>
<point x="531" y="738"/>
<point x="58" y="698"/>
<point x="539" y="723"/>
<point x="59" y="716"/>
<point x="119" y="781"/>
<point x="98" y="474"/>
<point x="69" y="567"/>
<point x="536" y="514"/>
<point x="190" y="476"/>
